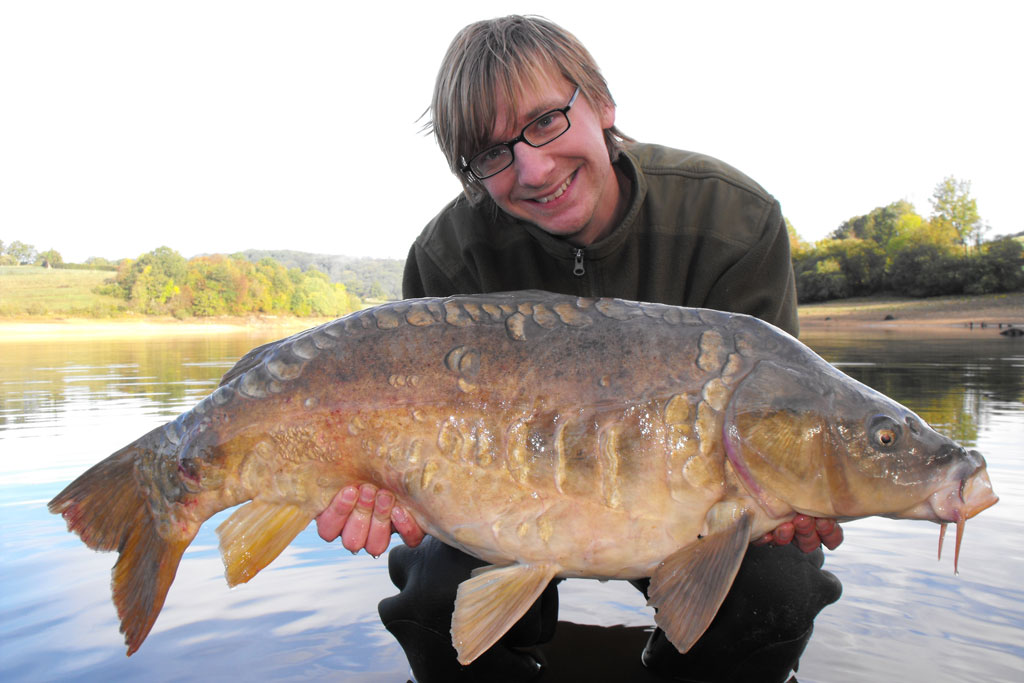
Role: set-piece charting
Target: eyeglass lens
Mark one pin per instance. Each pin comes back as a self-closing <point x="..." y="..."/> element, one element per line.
<point x="537" y="133"/>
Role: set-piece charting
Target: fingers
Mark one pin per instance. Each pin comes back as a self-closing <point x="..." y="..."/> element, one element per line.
<point x="364" y="518"/>
<point x="357" y="527"/>
<point x="330" y="522"/>
<point x="830" y="532"/>
<point x="808" y="532"/>
<point x="406" y="527"/>
<point x="379" y="536"/>
<point x="806" y="536"/>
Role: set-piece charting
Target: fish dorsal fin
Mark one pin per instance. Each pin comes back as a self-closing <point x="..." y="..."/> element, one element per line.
<point x="689" y="586"/>
<point x="488" y="604"/>
<point x="255" y="534"/>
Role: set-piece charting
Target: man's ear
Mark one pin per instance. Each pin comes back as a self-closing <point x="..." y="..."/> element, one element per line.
<point x="607" y="113"/>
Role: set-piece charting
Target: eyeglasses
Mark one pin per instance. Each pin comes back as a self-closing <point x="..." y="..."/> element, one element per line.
<point x="537" y="133"/>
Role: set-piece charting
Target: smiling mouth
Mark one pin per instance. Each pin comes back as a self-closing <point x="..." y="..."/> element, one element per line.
<point x="557" y="193"/>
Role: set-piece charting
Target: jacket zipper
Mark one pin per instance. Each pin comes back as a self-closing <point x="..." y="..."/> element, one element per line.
<point x="577" y="268"/>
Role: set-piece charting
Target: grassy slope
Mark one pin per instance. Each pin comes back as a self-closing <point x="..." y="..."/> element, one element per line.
<point x="35" y="291"/>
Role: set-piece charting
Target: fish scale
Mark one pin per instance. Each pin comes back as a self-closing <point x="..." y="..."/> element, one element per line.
<point x="546" y="434"/>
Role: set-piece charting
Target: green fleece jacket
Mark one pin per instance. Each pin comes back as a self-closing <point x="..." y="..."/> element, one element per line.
<point x="697" y="233"/>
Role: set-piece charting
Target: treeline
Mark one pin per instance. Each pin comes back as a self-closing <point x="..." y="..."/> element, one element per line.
<point x="375" y="279"/>
<point x="18" y="253"/>
<point x="369" y="278"/>
<point x="894" y="249"/>
<point x="163" y="282"/>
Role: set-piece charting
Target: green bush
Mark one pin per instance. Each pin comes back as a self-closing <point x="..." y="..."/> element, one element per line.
<point x="927" y="270"/>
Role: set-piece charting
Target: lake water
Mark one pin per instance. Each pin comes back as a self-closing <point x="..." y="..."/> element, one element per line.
<point x="312" y="614"/>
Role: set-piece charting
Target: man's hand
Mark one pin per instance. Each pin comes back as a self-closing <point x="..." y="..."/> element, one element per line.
<point x="365" y="517"/>
<point x="808" y="532"/>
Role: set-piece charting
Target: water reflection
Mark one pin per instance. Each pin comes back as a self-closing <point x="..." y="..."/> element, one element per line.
<point x="168" y="373"/>
<point x="903" y="615"/>
<point x="312" y="614"/>
<point x="954" y="382"/>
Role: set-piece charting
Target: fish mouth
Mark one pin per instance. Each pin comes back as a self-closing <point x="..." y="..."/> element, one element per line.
<point x="977" y="494"/>
<point x="957" y="505"/>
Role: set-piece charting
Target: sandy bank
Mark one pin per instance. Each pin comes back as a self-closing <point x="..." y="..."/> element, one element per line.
<point x="965" y="312"/>
<point x="27" y="329"/>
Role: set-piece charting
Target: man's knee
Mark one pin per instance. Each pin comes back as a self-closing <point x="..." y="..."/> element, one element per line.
<point x="420" y="616"/>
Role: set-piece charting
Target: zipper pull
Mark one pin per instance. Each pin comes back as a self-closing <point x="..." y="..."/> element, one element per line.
<point x="577" y="268"/>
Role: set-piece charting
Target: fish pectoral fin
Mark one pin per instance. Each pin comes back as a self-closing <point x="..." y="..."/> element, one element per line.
<point x="689" y="586"/>
<point x="490" y="602"/>
<point x="255" y="534"/>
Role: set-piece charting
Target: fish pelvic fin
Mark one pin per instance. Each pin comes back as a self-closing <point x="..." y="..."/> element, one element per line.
<point x="108" y="510"/>
<point x="255" y="534"/>
<point x="489" y="603"/>
<point x="689" y="586"/>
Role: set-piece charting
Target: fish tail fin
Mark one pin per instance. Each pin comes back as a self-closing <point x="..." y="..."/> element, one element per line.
<point x="108" y="510"/>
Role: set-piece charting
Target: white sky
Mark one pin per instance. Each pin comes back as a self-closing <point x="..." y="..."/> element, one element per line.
<point x="217" y="126"/>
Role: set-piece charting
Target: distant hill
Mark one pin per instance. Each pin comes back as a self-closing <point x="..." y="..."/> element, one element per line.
<point x="369" y="278"/>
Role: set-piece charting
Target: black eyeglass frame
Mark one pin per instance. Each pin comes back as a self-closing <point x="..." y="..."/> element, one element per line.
<point x="510" y="144"/>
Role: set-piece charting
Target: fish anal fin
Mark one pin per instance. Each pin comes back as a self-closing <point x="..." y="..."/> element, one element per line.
<point x="255" y="534"/>
<point x="689" y="586"/>
<point x="489" y="603"/>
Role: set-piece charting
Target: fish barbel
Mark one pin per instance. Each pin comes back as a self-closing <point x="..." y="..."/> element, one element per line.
<point x="545" y="434"/>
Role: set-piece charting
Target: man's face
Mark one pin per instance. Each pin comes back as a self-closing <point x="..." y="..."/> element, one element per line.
<point x="567" y="187"/>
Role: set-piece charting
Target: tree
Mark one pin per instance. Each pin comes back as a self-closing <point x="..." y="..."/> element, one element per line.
<point x="863" y="264"/>
<point x="150" y="281"/>
<point x="926" y="269"/>
<point x="999" y="268"/>
<point x="21" y="252"/>
<point x="824" y="281"/>
<point x="953" y="205"/>
<point x="49" y="258"/>
<point x="881" y="225"/>
<point x="835" y="269"/>
<point x="913" y="230"/>
<point x="798" y="248"/>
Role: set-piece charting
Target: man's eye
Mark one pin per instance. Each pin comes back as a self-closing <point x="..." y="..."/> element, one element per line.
<point x="493" y="153"/>
<point x="544" y="121"/>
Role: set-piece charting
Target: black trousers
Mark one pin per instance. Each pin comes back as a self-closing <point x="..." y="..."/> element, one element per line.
<point x="758" y="634"/>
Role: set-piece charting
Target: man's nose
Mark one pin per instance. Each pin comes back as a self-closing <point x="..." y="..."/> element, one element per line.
<point x="533" y="165"/>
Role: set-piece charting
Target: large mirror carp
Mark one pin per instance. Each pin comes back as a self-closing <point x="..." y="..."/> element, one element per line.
<point x="548" y="435"/>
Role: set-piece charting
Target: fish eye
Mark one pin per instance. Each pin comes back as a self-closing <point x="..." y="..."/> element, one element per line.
<point x="885" y="431"/>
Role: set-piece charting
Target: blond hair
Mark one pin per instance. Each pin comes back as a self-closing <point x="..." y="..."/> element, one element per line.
<point x="507" y="55"/>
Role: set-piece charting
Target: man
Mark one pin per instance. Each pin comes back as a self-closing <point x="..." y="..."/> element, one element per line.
<point x="557" y="198"/>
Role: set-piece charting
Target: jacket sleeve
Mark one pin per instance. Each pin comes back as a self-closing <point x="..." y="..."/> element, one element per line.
<point x="761" y="282"/>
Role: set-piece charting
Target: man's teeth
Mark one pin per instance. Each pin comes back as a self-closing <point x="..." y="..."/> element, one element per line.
<point x="557" y="193"/>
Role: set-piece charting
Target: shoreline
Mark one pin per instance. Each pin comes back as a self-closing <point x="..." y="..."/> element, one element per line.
<point x="28" y="329"/>
<point x="992" y="312"/>
<point x="964" y="314"/>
